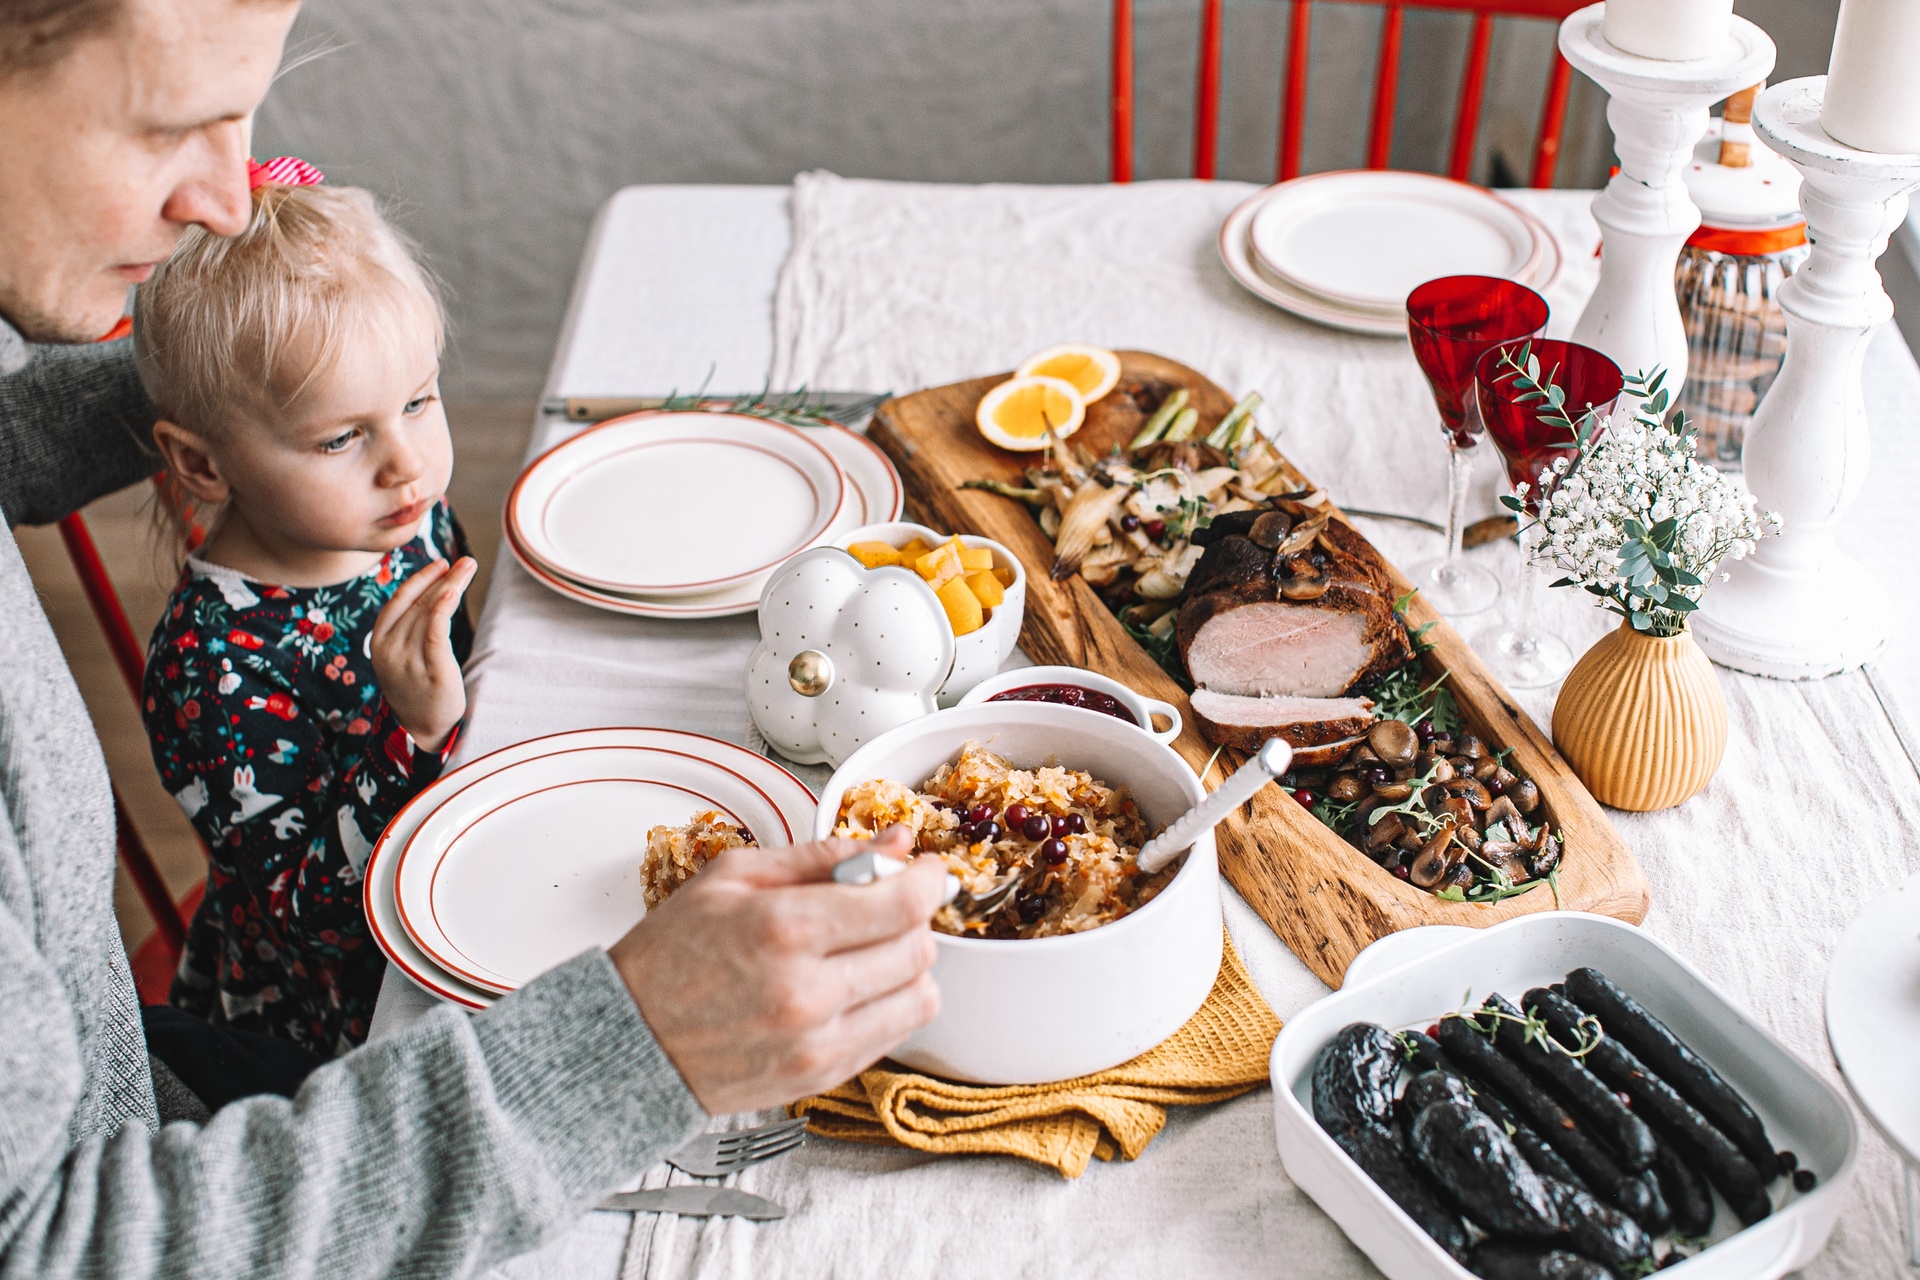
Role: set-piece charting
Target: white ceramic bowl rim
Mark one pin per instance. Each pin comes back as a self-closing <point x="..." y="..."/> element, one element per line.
<point x="991" y="689"/>
<point x="1072" y="714"/>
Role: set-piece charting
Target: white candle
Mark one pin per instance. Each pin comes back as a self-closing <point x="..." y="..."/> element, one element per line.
<point x="1873" y="82"/>
<point x="1671" y="30"/>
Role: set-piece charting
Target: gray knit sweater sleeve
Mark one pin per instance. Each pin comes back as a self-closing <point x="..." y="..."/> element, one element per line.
<point x="437" y="1152"/>
<point x="74" y="424"/>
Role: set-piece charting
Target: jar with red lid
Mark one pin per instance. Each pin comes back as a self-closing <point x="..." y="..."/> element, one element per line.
<point x="1752" y="236"/>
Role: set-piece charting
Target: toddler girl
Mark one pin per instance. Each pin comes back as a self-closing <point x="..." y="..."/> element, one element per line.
<point x="304" y="681"/>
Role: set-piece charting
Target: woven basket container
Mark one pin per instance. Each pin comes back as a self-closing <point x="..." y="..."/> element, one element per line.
<point x="1642" y="720"/>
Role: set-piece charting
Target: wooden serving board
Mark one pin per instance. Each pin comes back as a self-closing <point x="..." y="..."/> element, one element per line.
<point x="1322" y="896"/>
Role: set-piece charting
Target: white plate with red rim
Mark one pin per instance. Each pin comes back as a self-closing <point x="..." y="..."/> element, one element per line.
<point x="542" y="921"/>
<point x="879" y="497"/>
<point x="632" y="505"/>
<point x="1369" y="237"/>
<point x="520" y="870"/>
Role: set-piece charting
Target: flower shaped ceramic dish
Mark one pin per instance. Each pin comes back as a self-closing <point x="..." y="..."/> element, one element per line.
<point x="845" y="654"/>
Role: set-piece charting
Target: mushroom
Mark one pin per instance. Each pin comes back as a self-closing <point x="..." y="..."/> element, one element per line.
<point x="1346" y="788"/>
<point x="1363" y="754"/>
<point x="1394" y="742"/>
<point x="1442" y="770"/>
<point x="1485" y="769"/>
<point x="1270" y="529"/>
<point x="1502" y="810"/>
<point x="1303" y="533"/>
<point x="1303" y="579"/>
<point x="1502" y="779"/>
<point x="1384" y="832"/>
<point x="1432" y="862"/>
<point x="1394" y="792"/>
<point x="1526" y="796"/>
<point x="1459" y="876"/>
<point x="1548" y="858"/>
<point x="1472" y="748"/>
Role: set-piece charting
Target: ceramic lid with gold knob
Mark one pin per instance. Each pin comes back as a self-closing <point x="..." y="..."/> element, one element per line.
<point x="845" y="654"/>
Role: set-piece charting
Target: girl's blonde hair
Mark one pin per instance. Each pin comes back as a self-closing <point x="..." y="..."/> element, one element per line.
<point x="235" y="329"/>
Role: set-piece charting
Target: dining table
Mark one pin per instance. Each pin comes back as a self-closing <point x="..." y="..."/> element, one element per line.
<point x="845" y="284"/>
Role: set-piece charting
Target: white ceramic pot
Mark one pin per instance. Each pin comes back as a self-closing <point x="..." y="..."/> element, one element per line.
<point x="978" y="654"/>
<point x="1042" y="1009"/>
<point x="1409" y="979"/>
<point x="1143" y="709"/>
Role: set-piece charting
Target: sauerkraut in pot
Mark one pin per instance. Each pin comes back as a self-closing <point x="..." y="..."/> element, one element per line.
<point x="1076" y="839"/>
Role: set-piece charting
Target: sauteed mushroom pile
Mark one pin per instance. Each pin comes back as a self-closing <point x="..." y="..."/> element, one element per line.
<point x="1437" y="809"/>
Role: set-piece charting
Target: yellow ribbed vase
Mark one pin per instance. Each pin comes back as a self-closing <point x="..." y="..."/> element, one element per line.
<point x="1642" y="720"/>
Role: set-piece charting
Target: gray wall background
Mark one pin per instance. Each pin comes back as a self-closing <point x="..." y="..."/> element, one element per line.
<point x="496" y="128"/>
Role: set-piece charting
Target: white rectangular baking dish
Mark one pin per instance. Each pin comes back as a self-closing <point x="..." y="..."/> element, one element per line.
<point x="1411" y="978"/>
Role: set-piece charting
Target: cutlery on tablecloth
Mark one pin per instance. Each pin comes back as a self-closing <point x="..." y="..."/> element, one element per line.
<point x="1262" y="767"/>
<point x="715" y="1155"/>
<point x="695" y="1202"/>
<point x="845" y="407"/>
<point x="1477" y="534"/>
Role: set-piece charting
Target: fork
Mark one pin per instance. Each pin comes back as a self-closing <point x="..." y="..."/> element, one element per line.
<point x="715" y="1155"/>
<point x="865" y="868"/>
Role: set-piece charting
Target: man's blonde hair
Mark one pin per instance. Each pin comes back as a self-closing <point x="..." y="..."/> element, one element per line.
<point x="236" y="329"/>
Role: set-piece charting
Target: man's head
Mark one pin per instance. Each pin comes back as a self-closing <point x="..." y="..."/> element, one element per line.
<point x="122" y="123"/>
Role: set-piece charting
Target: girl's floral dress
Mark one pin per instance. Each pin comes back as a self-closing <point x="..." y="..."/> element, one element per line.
<point x="267" y="727"/>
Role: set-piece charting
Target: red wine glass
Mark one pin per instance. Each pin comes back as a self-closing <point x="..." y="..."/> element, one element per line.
<point x="1523" y="654"/>
<point x="1451" y="322"/>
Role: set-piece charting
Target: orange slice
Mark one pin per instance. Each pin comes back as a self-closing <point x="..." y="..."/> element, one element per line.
<point x="1093" y="371"/>
<point x="1016" y="414"/>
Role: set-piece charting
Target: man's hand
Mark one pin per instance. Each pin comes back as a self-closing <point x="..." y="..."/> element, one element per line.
<point x="765" y="982"/>
<point x="412" y="652"/>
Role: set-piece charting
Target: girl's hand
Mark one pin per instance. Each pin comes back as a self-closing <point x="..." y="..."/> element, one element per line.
<point x="413" y="652"/>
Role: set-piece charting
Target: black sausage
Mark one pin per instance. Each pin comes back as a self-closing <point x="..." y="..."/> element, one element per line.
<point x="1627" y="1021"/>
<point x="1476" y="1164"/>
<point x="1353" y="1080"/>
<point x="1678" y="1121"/>
<point x="1381" y="1154"/>
<point x="1590" y="1099"/>
<point x="1495" y="1260"/>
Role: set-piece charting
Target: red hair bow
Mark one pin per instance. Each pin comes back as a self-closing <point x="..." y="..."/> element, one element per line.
<point x="286" y="171"/>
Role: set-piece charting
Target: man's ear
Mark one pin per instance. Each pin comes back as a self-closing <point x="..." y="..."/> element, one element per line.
<point x="190" y="462"/>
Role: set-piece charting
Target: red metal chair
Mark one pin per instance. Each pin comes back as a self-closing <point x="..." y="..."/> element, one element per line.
<point x="154" y="962"/>
<point x="1293" y="95"/>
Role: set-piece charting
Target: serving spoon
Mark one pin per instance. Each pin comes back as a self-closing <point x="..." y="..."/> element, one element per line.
<point x="1262" y="767"/>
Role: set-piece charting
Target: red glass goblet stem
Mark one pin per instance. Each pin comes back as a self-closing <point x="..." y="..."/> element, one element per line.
<point x="1451" y="323"/>
<point x="1530" y="437"/>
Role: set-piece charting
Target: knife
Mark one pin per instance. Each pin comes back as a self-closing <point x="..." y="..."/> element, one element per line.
<point x="695" y="1202"/>
<point x="838" y="405"/>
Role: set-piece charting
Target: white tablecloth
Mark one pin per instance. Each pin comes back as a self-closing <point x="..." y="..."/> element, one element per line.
<point x="900" y="286"/>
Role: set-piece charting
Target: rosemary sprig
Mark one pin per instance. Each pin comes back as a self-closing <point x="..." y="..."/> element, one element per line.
<point x="1587" y="1031"/>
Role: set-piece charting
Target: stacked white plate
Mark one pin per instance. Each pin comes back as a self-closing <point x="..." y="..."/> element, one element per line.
<point x="1346" y="248"/>
<point x="687" y="514"/>
<point x="523" y="858"/>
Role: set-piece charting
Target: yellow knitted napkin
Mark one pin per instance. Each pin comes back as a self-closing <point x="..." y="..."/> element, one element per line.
<point x="1220" y="1053"/>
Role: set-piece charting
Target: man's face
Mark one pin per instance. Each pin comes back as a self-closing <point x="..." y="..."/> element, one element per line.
<point x="107" y="155"/>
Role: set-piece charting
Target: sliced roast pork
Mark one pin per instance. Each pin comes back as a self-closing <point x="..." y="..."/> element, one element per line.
<point x="1309" y="725"/>
<point x="1309" y="622"/>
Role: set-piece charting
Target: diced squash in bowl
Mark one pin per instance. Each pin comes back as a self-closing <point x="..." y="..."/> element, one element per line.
<point x="875" y="555"/>
<point x="986" y="588"/>
<point x="965" y="578"/>
<point x="962" y="606"/>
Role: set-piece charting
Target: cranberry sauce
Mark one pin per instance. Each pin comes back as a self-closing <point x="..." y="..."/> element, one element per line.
<point x="1071" y="695"/>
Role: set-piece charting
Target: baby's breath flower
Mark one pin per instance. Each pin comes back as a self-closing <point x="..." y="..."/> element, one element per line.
<point x="1638" y="470"/>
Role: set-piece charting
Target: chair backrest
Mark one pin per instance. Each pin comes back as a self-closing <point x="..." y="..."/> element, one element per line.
<point x="1293" y="93"/>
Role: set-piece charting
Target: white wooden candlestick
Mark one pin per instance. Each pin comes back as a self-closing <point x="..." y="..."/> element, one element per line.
<point x="1658" y="112"/>
<point x="1799" y="608"/>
